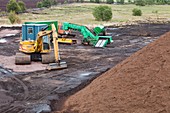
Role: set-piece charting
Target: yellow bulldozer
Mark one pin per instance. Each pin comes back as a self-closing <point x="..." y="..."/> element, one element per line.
<point x="39" y="44"/>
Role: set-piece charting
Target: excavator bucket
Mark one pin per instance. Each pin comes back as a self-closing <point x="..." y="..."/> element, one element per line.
<point x="103" y="41"/>
<point x="57" y="66"/>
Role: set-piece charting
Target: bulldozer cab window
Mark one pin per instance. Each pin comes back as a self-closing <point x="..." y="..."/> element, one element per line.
<point x="30" y="30"/>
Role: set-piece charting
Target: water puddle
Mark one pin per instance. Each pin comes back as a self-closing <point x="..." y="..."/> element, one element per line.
<point x="42" y="108"/>
<point x="117" y="34"/>
<point x="3" y="40"/>
<point x="10" y="35"/>
<point x="135" y="40"/>
<point x="112" y="28"/>
<point x="85" y="74"/>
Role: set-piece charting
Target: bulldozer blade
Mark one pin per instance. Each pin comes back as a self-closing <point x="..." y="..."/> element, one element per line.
<point x="57" y="66"/>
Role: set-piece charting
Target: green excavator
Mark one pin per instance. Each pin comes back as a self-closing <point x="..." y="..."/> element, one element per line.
<point x="90" y="37"/>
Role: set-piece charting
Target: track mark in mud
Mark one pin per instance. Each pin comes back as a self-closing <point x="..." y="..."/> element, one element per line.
<point x="11" y="107"/>
<point x="26" y="92"/>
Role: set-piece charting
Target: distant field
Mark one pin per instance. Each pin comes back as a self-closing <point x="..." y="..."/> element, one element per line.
<point x="82" y="14"/>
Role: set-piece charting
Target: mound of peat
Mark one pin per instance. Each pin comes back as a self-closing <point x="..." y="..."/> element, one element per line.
<point x="139" y="84"/>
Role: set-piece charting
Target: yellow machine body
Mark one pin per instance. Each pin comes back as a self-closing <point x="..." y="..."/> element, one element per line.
<point x="31" y="46"/>
<point x="66" y="41"/>
<point x="31" y="50"/>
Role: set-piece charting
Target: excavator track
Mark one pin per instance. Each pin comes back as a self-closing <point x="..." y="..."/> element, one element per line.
<point x="48" y="58"/>
<point x="21" y="59"/>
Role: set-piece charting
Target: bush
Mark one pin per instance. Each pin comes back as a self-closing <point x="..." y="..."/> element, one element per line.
<point x="22" y="6"/>
<point x="97" y="1"/>
<point x="92" y="1"/>
<point x="109" y="1"/>
<point x="120" y="1"/>
<point x="53" y="2"/>
<point x="46" y="3"/>
<point x="102" y="13"/>
<point x="13" y="18"/>
<point x="39" y="4"/>
<point x="13" y="6"/>
<point x="129" y="1"/>
<point x="140" y="2"/>
<point x="137" y="12"/>
<point x="3" y="13"/>
<point x="150" y="2"/>
<point x="161" y="2"/>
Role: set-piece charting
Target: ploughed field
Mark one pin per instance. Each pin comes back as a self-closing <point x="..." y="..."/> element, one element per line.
<point x="31" y="89"/>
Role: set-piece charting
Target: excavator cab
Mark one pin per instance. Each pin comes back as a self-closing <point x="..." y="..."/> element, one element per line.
<point x="46" y="43"/>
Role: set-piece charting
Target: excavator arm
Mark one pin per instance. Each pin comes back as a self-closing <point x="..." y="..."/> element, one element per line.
<point x="55" y="43"/>
<point x="58" y="63"/>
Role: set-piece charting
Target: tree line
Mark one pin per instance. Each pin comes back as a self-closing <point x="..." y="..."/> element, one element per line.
<point x="19" y="6"/>
<point x="100" y="13"/>
<point x="137" y="2"/>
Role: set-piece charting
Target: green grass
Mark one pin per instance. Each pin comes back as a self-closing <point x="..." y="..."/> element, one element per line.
<point x="82" y="14"/>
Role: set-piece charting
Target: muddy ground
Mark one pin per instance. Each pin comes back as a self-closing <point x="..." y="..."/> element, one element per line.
<point x="37" y="91"/>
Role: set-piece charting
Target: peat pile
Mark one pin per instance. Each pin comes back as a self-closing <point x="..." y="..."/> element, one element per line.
<point x="139" y="84"/>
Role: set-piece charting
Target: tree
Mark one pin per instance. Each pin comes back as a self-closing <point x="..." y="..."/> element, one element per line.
<point x="97" y="1"/>
<point x="136" y="12"/>
<point x="46" y="3"/>
<point x="102" y="13"/>
<point x="168" y="2"/>
<point x="161" y="2"/>
<point x="140" y="2"/>
<point x="39" y="4"/>
<point x="13" y="6"/>
<point x="129" y="1"/>
<point x="120" y="1"/>
<point x="109" y="1"/>
<point x="53" y="2"/>
<point x="13" y="18"/>
<point x="150" y="2"/>
<point x="22" y="6"/>
<point x="81" y="1"/>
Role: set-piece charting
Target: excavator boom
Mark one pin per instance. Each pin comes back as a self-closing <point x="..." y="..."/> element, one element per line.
<point x="58" y="64"/>
<point x="90" y="37"/>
